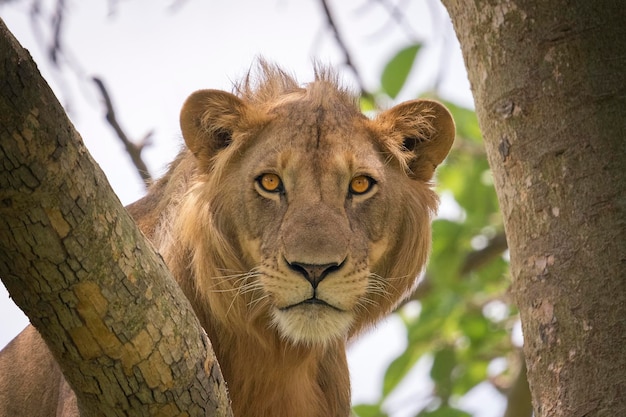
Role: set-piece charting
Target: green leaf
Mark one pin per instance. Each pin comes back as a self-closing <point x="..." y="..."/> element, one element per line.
<point x="397" y="70"/>
<point x="475" y="326"/>
<point x="464" y="175"/>
<point x="466" y="122"/>
<point x="447" y="252"/>
<point x="473" y="373"/>
<point x="441" y="372"/>
<point x="444" y="411"/>
<point x="368" y="410"/>
<point x="397" y="370"/>
<point x="367" y="104"/>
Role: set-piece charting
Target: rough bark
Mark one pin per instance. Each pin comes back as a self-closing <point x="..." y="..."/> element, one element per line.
<point x="548" y="82"/>
<point x="71" y="257"/>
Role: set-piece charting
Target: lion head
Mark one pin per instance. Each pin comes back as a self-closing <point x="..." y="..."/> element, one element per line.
<point x="305" y="217"/>
<point x="291" y="222"/>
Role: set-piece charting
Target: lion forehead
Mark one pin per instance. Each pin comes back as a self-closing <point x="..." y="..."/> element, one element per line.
<point x="315" y="150"/>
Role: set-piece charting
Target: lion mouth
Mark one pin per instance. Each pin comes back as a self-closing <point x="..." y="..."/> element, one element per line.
<point x="310" y="301"/>
<point x="312" y="321"/>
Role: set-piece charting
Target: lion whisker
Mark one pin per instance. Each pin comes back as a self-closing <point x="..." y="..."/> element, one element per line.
<point x="257" y="304"/>
<point x="244" y="284"/>
<point x="235" y="279"/>
<point x="377" y="286"/>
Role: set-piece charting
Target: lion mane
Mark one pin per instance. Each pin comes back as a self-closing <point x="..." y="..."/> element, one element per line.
<point x="293" y="222"/>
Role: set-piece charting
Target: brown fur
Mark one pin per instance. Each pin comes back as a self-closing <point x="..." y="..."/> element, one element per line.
<point x="239" y="251"/>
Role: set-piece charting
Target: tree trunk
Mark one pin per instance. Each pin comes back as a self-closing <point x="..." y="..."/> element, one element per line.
<point x="71" y="257"/>
<point x="548" y="81"/>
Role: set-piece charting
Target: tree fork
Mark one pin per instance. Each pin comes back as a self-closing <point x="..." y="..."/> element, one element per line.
<point x="548" y="82"/>
<point x="73" y="260"/>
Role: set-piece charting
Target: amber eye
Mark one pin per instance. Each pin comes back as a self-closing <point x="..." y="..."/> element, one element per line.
<point x="270" y="183"/>
<point x="361" y="184"/>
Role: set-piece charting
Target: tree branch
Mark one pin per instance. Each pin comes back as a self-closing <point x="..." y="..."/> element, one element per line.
<point x="477" y="259"/>
<point x="474" y="261"/>
<point x="519" y="402"/>
<point x="134" y="150"/>
<point x="396" y="17"/>
<point x="57" y="28"/>
<point x="120" y="328"/>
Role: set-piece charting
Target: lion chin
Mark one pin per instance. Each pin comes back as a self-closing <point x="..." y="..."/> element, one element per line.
<point x="312" y="322"/>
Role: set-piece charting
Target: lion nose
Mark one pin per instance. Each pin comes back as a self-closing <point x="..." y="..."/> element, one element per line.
<point x="314" y="273"/>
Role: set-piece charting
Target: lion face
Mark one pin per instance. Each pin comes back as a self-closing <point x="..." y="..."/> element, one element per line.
<point x="316" y="222"/>
<point x="325" y="212"/>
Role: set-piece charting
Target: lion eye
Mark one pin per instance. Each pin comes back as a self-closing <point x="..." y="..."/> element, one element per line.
<point x="361" y="184"/>
<point x="270" y="183"/>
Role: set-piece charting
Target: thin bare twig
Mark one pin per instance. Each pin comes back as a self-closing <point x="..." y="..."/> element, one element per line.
<point x="57" y="28"/>
<point x="176" y="5"/>
<point x="349" y="61"/>
<point x="473" y="261"/>
<point x="397" y="17"/>
<point x="56" y="20"/>
<point x="477" y="259"/>
<point x="134" y="150"/>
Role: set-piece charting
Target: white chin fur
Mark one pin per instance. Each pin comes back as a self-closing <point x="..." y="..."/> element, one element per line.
<point x="312" y="324"/>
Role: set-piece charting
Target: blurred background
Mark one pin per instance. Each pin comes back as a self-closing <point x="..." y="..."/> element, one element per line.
<point x="453" y="349"/>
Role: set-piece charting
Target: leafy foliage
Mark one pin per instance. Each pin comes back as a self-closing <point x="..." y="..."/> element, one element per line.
<point x="398" y="69"/>
<point x="464" y="322"/>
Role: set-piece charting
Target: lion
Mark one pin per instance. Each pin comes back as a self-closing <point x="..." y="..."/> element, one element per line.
<point x="292" y="222"/>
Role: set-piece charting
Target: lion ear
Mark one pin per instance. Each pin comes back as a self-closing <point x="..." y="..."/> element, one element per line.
<point x="424" y="130"/>
<point x="208" y="120"/>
